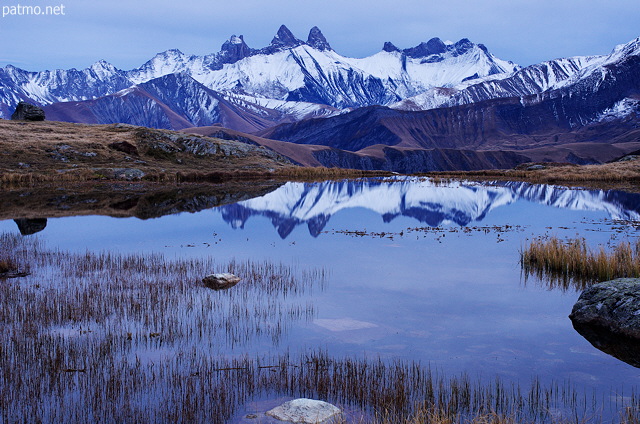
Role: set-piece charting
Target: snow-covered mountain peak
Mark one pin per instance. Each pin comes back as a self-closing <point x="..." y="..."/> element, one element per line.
<point x="317" y="40"/>
<point x="232" y="50"/>
<point x="164" y="63"/>
<point x="285" y="39"/>
<point x="165" y="58"/>
<point x="632" y="48"/>
<point x="103" y="69"/>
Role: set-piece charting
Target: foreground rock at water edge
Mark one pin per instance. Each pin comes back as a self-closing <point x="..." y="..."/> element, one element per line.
<point x="220" y="281"/>
<point x="27" y="112"/>
<point x="304" y="411"/>
<point x="612" y="306"/>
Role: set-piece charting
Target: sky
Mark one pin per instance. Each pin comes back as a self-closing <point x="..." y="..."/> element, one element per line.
<point x="78" y="33"/>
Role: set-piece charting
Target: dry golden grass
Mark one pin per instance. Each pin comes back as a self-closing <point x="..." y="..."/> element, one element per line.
<point x="36" y="152"/>
<point x="322" y="173"/>
<point x="572" y="264"/>
<point x="32" y="152"/>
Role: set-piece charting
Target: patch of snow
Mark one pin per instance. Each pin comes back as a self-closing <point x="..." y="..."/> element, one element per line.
<point x="620" y="110"/>
<point x="126" y="91"/>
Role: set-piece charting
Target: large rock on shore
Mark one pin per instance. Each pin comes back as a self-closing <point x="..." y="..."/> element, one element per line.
<point x="306" y="411"/>
<point x="607" y="315"/>
<point x="27" y="112"/>
<point x="612" y="305"/>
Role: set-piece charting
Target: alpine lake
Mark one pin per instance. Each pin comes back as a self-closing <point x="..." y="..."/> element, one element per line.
<point x="369" y="294"/>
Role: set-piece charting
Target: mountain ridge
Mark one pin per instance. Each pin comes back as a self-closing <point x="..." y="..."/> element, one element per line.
<point x="288" y="69"/>
<point x="599" y="104"/>
<point x="435" y="106"/>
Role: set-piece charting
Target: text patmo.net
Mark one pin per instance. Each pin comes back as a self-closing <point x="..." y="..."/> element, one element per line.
<point x="20" y="10"/>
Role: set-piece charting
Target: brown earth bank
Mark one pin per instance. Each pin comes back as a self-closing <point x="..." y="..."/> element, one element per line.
<point x="32" y="152"/>
<point x="59" y="151"/>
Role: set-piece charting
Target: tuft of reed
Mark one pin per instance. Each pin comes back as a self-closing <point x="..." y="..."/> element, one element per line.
<point x="567" y="264"/>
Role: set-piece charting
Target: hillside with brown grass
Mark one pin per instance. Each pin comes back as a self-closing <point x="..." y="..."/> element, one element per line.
<point x="58" y="151"/>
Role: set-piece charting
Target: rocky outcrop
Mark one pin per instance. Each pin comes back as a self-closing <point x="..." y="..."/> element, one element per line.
<point x="235" y="49"/>
<point x="28" y="112"/>
<point x="221" y="281"/>
<point x="305" y="411"/>
<point x="612" y="306"/>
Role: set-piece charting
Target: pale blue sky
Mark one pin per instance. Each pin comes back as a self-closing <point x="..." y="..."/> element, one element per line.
<point x="128" y="33"/>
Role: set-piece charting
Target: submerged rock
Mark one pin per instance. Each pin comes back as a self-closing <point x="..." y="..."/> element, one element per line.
<point x="27" y="112"/>
<point x="220" y="281"/>
<point x="612" y="306"/>
<point x="304" y="411"/>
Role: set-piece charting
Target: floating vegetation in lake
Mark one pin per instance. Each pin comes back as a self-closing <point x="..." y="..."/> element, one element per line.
<point x="439" y="232"/>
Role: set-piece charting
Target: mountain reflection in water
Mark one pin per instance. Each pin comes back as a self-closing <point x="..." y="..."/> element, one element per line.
<point x="459" y="203"/>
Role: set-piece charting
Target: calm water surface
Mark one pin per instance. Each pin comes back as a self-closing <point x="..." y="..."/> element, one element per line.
<point x="416" y="270"/>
